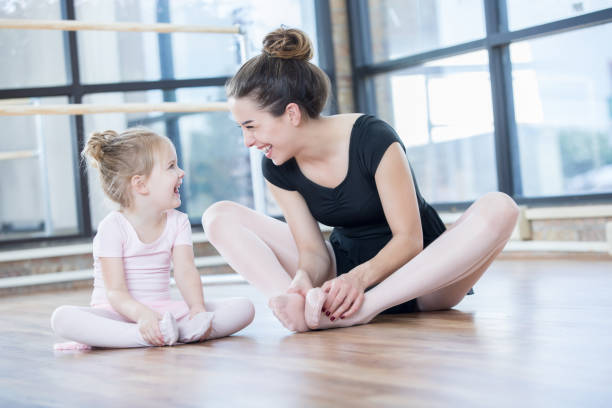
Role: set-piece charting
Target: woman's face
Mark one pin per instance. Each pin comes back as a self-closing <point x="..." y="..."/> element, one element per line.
<point x="271" y="135"/>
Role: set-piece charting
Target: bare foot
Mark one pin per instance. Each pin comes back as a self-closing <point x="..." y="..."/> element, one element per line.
<point x="314" y="305"/>
<point x="289" y="309"/>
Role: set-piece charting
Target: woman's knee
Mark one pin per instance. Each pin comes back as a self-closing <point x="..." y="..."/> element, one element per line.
<point x="499" y="212"/>
<point x="216" y="217"/>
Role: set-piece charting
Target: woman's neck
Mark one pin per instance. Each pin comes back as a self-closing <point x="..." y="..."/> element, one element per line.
<point x="322" y="139"/>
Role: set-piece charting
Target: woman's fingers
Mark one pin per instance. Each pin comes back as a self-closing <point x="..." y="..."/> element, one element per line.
<point x="337" y="301"/>
<point x="355" y="307"/>
<point x="348" y="301"/>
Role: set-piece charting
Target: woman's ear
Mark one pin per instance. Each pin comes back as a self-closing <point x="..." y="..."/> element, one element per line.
<point x="139" y="184"/>
<point x="294" y="113"/>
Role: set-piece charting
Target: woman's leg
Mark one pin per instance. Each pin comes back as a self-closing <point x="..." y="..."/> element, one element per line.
<point x="443" y="272"/>
<point x="263" y="251"/>
<point x="104" y="328"/>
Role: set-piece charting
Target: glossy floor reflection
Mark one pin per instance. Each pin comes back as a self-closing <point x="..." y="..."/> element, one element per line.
<point x="537" y="333"/>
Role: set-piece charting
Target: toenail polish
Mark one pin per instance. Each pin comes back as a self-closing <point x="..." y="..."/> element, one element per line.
<point x="327" y="313"/>
<point x="332" y="318"/>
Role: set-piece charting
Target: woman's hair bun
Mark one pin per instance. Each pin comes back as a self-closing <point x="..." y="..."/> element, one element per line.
<point x="288" y="43"/>
<point x="98" y="141"/>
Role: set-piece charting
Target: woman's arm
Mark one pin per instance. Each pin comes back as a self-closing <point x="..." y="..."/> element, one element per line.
<point x="398" y="197"/>
<point x="120" y="299"/>
<point x="187" y="278"/>
<point x="314" y="260"/>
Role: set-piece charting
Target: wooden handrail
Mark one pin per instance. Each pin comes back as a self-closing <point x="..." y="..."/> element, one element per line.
<point x="75" y="25"/>
<point x="86" y="109"/>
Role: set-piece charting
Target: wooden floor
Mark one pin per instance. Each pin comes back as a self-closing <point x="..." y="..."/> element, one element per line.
<point x="536" y="334"/>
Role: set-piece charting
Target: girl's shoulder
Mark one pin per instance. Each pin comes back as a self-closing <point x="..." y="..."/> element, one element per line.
<point x="176" y="219"/>
<point x="113" y="221"/>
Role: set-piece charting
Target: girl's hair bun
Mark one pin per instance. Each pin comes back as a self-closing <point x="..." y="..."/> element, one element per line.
<point x="95" y="148"/>
<point x="288" y="43"/>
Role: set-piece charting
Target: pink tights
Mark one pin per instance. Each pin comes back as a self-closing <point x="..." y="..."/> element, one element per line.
<point x="263" y="250"/>
<point x="97" y="327"/>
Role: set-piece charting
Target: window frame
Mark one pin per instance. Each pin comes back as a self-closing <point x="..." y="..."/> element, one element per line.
<point x="75" y="90"/>
<point x="497" y="42"/>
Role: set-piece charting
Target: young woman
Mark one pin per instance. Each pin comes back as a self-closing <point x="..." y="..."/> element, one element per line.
<point x="388" y="252"/>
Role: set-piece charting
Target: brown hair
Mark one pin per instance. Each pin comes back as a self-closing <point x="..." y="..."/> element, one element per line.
<point x="119" y="157"/>
<point x="281" y="74"/>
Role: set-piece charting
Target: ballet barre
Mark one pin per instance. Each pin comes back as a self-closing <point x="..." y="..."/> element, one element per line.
<point x="86" y="109"/>
<point x="75" y="25"/>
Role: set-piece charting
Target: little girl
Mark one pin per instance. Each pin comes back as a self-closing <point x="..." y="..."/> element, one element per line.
<point x="133" y="251"/>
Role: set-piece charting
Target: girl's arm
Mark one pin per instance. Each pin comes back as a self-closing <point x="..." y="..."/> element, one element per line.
<point x="120" y="299"/>
<point x="314" y="260"/>
<point x="398" y="197"/>
<point x="187" y="278"/>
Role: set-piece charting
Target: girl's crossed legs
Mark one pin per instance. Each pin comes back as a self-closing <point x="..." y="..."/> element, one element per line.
<point x="99" y="327"/>
<point x="263" y="251"/>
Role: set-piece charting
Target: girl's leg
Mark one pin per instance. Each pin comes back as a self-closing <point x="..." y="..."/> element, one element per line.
<point x="263" y="251"/>
<point x="222" y="318"/>
<point x="231" y="315"/>
<point x="104" y="328"/>
<point x="444" y="271"/>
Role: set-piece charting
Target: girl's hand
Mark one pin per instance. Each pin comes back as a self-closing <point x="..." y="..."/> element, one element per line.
<point x="148" y="324"/>
<point x="345" y="295"/>
<point x="194" y="310"/>
<point x="300" y="284"/>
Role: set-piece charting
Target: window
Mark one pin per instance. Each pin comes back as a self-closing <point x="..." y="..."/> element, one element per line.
<point x="442" y="111"/>
<point x="400" y="28"/>
<point x="57" y="198"/>
<point x="525" y="112"/>
<point x="525" y="13"/>
<point x="562" y="104"/>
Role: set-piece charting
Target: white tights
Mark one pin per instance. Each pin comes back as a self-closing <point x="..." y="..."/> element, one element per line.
<point x="104" y="328"/>
<point x="263" y="251"/>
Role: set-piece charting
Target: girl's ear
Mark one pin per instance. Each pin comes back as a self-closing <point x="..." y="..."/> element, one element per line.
<point x="294" y="113"/>
<point x="139" y="185"/>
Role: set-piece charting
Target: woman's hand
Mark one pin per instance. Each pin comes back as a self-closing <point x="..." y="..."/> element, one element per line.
<point x="300" y="284"/>
<point x="148" y="324"/>
<point x="345" y="295"/>
<point x="195" y="309"/>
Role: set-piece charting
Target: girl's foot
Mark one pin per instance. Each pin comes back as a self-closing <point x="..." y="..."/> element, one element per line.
<point x="195" y="329"/>
<point x="169" y="329"/>
<point x="71" y="345"/>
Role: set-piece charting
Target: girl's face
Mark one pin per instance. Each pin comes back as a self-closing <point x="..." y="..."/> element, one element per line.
<point x="272" y="135"/>
<point x="165" y="179"/>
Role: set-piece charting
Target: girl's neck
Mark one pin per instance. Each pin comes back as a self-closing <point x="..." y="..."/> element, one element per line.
<point x="139" y="216"/>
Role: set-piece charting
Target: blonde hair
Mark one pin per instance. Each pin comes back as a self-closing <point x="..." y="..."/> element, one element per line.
<point x="120" y="156"/>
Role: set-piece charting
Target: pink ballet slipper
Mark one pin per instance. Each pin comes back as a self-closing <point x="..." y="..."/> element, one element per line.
<point x="71" y="345"/>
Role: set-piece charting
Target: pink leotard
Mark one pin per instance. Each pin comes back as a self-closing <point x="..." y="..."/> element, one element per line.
<point x="146" y="265"/>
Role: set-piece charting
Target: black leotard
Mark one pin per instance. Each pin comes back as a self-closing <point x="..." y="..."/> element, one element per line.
<point x="353" y="208"/>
